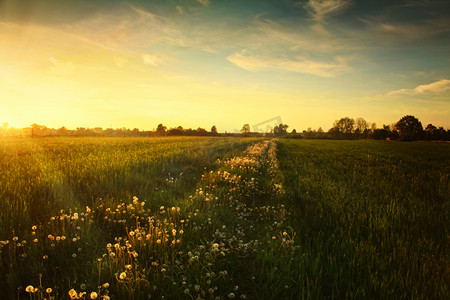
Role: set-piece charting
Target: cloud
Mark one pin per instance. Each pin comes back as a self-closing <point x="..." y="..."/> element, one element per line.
<point x="320" y="9"/>
<point x="154" y="60"/>
<point x="297" y="65"/>
<point x="204" y="2"/>
<point x="434" y="88"/>
<point x="61" y="68"/>
<point x="395" y="31"/>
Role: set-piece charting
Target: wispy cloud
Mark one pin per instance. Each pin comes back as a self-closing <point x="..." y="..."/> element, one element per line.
<point x="204" y="2"/>
<point x="434" y="88"/>
<point x="61" y="67"/>
<point x="297" y="65"/>
<point x="154" y="59"/>
<point x="395" y="31"/>
<point x="320" y="9"/>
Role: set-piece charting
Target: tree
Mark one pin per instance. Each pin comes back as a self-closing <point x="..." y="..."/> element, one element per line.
<point x="245" y="129"/>
<point x="343" y="127"/>
<point x="161" y="130"/>
<point x="202" y="131"/>
<point x="409" y="128"/>
<point x="280" y="129"/>
<point x="214" y="130"/>
<point x="361" y="127"/>
<point x="38" y="130"/>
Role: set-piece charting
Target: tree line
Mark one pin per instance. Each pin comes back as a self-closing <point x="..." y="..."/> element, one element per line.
<point x="36" y="130"/>
<point x="408" y="128"/>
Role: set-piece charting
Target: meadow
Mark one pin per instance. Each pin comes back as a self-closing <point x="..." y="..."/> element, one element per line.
<point x="223" y="218"/>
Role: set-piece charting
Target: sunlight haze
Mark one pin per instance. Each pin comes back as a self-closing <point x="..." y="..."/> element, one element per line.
<point x="136" y="64"/>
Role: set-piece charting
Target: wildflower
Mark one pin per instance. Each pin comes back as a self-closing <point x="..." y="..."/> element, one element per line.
<point x="49" y="290"/>
<point x="94" y="295"/>
<point x="123" y="275"/>
<point x="106" y="297"/>
<point x="74" y="255"/>
<point x="45" y="257"/>
<point x="29" y="289"/>
<point x="231" y="295"/>
<point x="35" y="240"/>
<point x="82" y="286"/>
<point x="15" y="239"/>
<point x="73" y="294"/>
<point x="34" y="227"/>
<point x="105" y="285"/>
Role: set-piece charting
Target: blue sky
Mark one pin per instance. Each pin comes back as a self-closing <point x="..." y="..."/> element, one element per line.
<point x="225" y="63"/>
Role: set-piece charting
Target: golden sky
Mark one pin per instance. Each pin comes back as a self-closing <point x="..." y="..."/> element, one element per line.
<point x="200" y="63"/>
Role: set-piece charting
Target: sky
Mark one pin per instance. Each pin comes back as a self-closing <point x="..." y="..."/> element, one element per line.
<point x="199" y="63"/>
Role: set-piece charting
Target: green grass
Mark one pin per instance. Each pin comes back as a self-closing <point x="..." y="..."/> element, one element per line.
<point x="40" y="176"/>
<point x="223" y="218"/>
<point x="372" y="218"/>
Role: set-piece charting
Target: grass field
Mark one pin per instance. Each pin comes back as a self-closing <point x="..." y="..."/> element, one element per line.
<point x="137" y="218"/>
<point x="372" y="218"/>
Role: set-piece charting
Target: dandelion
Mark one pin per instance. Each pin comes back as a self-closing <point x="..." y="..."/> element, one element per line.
<point x="231" y="296"/>
<point x="94" y="295"/>
<point x="73" y="294"/>
<point x="74" y="255"/>
<point x="123" y="275"/>
<point x="48" y="290"/>
<point x="105" y="285"/>
<point x="15" y="239"/>
<point x="34" y="227"/>
<point x="29" y="289"/>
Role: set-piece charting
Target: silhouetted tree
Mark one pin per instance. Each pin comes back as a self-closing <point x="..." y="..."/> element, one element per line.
<point x="245" y="129"/>
<point x="342" y="128"/>
<point x="280" y="129"/>
<point x="409" y="128"/>
<point x="161" y="130"/>
<point x="202" y="131"/>
<point x="361" y="128"/>
<point x="214" y="130"/>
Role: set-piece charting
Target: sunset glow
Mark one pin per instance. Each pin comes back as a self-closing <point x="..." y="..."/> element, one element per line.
<point x="200" y="63"/>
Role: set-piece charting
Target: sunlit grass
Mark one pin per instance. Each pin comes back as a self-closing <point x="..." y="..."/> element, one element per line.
<point x="227" y="218"/>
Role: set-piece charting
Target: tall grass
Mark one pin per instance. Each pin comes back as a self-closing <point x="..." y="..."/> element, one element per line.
<point x="210" y="220"/>
<point x="210" y="242"/>
<point x="372" y="218"/>
<point x="40" y="176"/>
